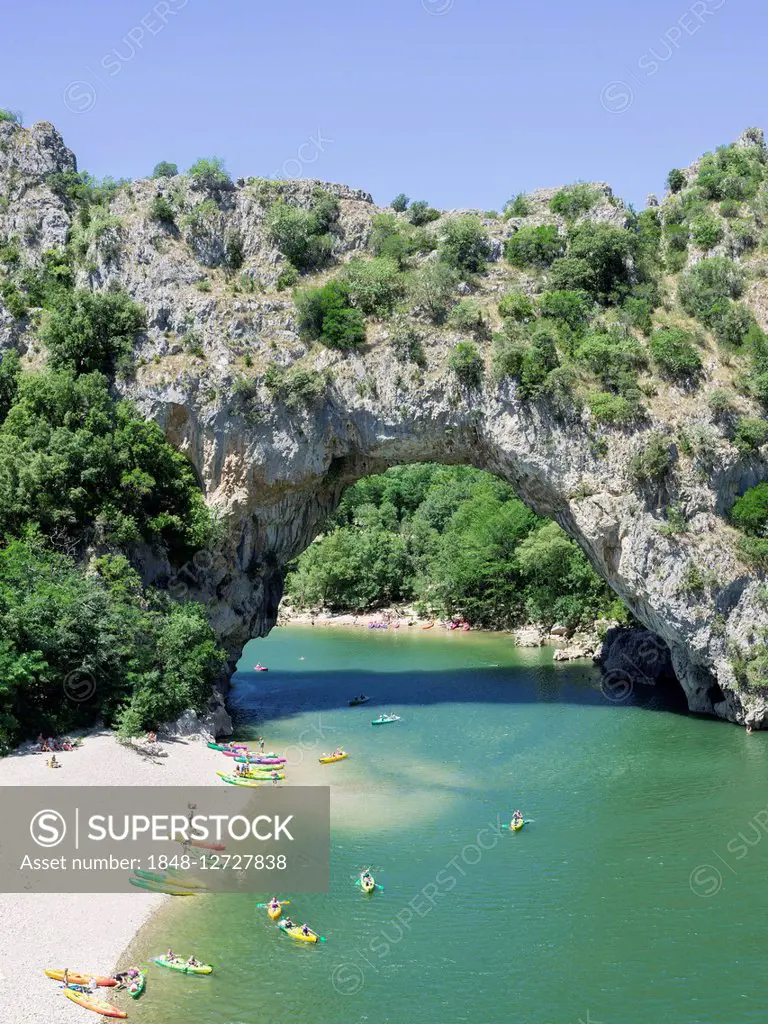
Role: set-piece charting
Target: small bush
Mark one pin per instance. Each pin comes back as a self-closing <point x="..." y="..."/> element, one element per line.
<point x="165" y="170"/>
<point x="467" y="315"/>
<point x="674" y="355"/>
<point x="567" y="307"/>
<point x="730" y="208"/>
<point x="574" y="200"/>
<point x="287" y="277"/>
<point x="303" y="236"/>
<point x="538" y="361"/>
<point x="534" y="247"/>
<point x="422" y="213"/>
<point x="375" y="285"/>
<point x="10" y="116"/>
<point x="327" y="314"/>
<point x="13" y="300"/>
<point x="508" y="355"/>
<point x="517" y="207"/>
<point x="518" y="307"/>
<point x="720" y="403"/>
<point x="613" y="357"/>
<point x="431" y="288"/>
<point x="295" y="387"/>
<point x="400" y="203"/>
<point x="731" y="322"/>
<point x="612" y="409"/>
<point x="210" y="172"/>
<point x="653" y="462"/>
<point x="162" y="211"/>
<point x="750" y="511"/>
<point x="706" y="284"/>
<point x="466" y="362"/>
<point x="706" y="232"/>
<point x="751" y="435"/>
<point x="464" y="246"/>
<point x="676" y="180"/>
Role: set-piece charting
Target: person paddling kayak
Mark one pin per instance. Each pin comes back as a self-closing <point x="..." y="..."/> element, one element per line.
<point x="517" y="819"/>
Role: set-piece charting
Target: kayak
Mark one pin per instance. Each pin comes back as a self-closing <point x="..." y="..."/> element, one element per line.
<point x="385" y="719"/>
<point x="180" y="964"/>
<point x="171" y="878"/>
<point x="260" y="668"/>
<point x="78" y="978"/>
<point x="297" y="933"/>
<point x="274" y="912"/>
<point x="428" y="625"/>
<point x="514" y="827"/>
<point x="370" y="887"/>
<point x="259" y="769"/>
<point x="357" y="701"/>
<point x="97" y="1005"/>
<point x="262" y="760"/>
<point x="137" y="986"/>
<point x="330" y="758"/>
<point x="253" y="783"/>
<point x="251" y="776"/>
<point x="168" y="888"/>
<point x="224" y="747"/>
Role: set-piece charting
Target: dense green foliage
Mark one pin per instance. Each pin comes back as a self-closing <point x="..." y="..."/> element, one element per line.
<point x="79" y="645"/>
<point x="456" y="541"/>
<point x="750" y="511"/>
<point x="675" y="180"/>
<point x="327" y="314"/>
<point x="599" y="262"/>
<point x="467" y="363"/>
<point x="400" y="202"/>
<point x="165" y="170"/>
<point x="574" y="200"/>
<point x="422" y="213"/>
<point x="534" y="247"/>
<point x="304" y="236"/>
<point x="88" y="332"/>
<point x="675" y="355"/>
<point x="464" y="245"/>
<point x="210" y="172"/>
<point x="374" y="286"/>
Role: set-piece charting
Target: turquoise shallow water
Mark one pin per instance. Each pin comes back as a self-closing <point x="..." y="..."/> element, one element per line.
<point x="629" y="898"/>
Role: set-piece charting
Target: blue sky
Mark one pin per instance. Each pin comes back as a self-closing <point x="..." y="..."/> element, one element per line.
<point x="461" y="102"/>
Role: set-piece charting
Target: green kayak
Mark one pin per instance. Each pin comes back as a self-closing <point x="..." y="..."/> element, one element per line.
<point x="385" y="719"/>
<point x="180" y="964"/>
<point x="137" y="986"/>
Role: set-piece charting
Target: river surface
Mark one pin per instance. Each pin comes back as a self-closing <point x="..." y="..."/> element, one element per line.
<point x="637" y="892"/>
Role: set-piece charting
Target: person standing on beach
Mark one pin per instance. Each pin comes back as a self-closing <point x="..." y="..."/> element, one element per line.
<point x="261" y="744"/>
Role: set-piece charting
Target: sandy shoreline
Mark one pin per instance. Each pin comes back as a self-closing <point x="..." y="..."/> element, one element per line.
<point x="87" y="933"/>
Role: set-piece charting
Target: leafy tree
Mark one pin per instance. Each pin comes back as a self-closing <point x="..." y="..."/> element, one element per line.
<point x="613" y="357"/>
<point x="706" y="232"/>
<point x="304" y="236"/>
<point x="327" y="314"/>
<point x="89" y="331"/>
<point x="467" y="315"/>
<point x="464" y="245"/>
<point x="539" y="359"/>
<point x="400" y="203"/>
<point x="751" y="434"/>
<point x="422" y="213"/>
<point x="600" y="262"/>
<point x="750" y="511"/>
<point x="10" y="369"/>
<point x="431" y="288"/>
<point x="567" y="307"/>
<point x="705" y="290"/>
<point x="165" y="170"/>
<point x="534" y="246"/>
<point x="517" y="207"/>
<point x="375" y="285"/>
<point x="11" y="116"/>
<point x="676" y="180"/>
<point x="518" y="307"/>
<point x="210" y="172"/>
<point x="675" y="355"/>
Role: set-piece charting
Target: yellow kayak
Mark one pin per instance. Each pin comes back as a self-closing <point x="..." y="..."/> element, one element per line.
<point x="97" y="1005"/>
<point x="515" y="826"/>
<point x="251" y="776"/>
<point x="330" y="758"/>
<point x="297" y="933"/>
<point x="274" y="912"/>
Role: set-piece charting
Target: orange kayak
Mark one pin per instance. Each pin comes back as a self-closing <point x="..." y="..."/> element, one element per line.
<point x="78" y="978"/>
<point x="89" y="1003"/>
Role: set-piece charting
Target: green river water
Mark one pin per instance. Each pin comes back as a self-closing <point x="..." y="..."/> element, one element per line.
<point x="637" y="893"/>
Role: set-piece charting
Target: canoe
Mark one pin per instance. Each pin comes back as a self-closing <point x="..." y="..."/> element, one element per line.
<point x="355" y="702"/>
<point x="97" y="1005"/>
<point x="137" y="986"/>
<point x="181" y="965"/>
<point x="78" y="978"/>
<point x="382" y="720"/>
<point x="297" y="933"/>
<point x="253" y="783"/>
<point x="253" y="777"/>
<point x="333" y="757"/>
<point x="168" y="888"/>
<point x="171" y="878"/>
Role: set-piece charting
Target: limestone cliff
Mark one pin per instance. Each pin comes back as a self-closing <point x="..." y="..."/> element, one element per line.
<point x="274" y="470"/>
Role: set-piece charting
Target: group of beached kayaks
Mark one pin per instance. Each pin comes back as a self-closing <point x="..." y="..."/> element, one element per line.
<point x="259" y="768"/>
<point x="80" y="986"/>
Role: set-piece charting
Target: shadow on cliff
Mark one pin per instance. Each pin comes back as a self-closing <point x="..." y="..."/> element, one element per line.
<point x="254" y="698"/>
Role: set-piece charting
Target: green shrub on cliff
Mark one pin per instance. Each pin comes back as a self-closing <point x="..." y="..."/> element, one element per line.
<point x="464" y="245"/>
<point x="374" y="286"/>
<point x="164" y="169"/>
<point x="467" y="364"/>
<point x="327" y="314"/>
<point x="304" y="236"/>
<point x="210" y="172"/>
<point x="574" y="200"/>
<point x="536" y="247"/>
<point x="675" y="355"/>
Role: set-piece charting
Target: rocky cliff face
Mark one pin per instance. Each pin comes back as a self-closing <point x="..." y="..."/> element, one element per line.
<point x="274" y="471"/>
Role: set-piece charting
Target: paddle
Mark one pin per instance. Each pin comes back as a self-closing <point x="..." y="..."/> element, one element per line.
<point x="263" y="906"/>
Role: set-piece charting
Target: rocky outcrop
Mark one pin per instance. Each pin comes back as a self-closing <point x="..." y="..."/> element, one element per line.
<point x="274" y="470"/>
